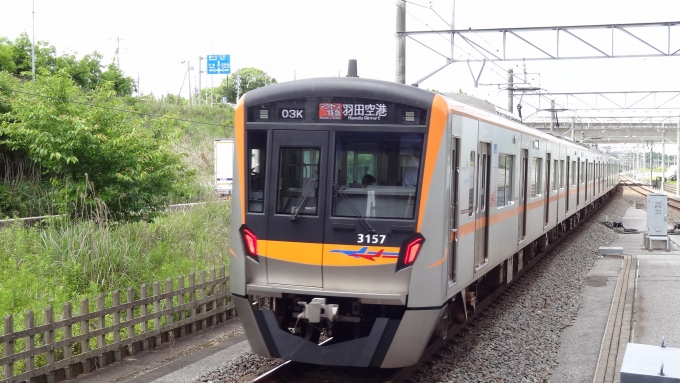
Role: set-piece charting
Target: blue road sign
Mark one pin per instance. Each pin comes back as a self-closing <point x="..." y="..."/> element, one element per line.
<point x="219" y="64"/>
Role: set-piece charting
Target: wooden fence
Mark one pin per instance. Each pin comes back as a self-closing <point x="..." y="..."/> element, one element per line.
<point x="79" y="343"/>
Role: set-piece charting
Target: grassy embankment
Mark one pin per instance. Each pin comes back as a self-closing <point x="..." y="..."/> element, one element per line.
<point x="66" y="261"/>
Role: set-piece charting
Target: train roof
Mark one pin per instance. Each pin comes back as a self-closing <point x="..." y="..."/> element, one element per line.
<point x="488" y="112"/>
<point x="390" y="91"/>
<point x="343" y="87"/>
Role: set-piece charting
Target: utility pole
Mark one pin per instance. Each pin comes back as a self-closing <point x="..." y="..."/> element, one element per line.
<point x="33" y="45"/>
<point x="189" y="75"/>
<point x="401" y="42"/>
<point x="199" y="79"/>
<point x="510" y="90"/>
<point x="118" y="52"/>
<point x="238" y="86"/>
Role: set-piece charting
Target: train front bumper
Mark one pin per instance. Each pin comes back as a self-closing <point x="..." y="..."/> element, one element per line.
<point x="391" y="343"/>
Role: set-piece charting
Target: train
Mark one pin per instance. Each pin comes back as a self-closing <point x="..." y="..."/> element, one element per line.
<point x="369" y="216"/>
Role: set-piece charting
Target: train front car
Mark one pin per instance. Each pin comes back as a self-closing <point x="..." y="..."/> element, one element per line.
<point x="331" y="191"/>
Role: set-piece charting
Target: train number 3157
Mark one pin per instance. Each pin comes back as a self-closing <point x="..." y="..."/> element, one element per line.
<point x="371" y="238"/>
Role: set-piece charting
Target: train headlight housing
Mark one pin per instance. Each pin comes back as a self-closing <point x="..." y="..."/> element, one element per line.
<point x="249" y="242"/>
<point x="408" y="253"/>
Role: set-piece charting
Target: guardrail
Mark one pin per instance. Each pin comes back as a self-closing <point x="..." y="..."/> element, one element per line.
<point x="79" y="343"/>
<point x="28" y="221"/>
<point x="669" y="188"/>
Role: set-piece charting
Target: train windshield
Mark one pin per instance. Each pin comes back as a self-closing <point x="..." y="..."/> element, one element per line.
<point x="377" y="174"/>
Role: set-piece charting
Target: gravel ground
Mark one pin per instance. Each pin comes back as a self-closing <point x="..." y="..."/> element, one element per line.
<point x="517" y="338"/>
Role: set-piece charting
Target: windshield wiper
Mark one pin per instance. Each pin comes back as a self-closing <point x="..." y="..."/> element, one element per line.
<point x="308" y="187"/>
<point x="341" y="191"/>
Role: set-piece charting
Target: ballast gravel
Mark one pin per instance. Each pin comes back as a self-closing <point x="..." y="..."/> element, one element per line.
<point x="517" y="338"/>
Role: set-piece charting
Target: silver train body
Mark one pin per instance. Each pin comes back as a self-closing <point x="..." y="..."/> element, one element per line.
<point x="373" y="215"/>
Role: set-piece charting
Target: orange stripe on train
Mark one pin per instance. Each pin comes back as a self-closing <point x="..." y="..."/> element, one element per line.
<point x="319" y="254"/>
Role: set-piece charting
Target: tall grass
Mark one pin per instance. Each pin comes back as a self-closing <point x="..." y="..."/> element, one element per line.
<point x="66" y="261"/>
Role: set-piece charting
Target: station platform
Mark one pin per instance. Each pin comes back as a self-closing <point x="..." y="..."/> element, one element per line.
<point x="629" y="298"/>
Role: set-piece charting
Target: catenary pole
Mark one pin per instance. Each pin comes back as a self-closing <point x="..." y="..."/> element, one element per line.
<point x="401" y="42"/>
<point x="663" y="157"/>
<point x="552" y="115"/>
<point x="651" y="167"/>
<point x="510" y="86"/>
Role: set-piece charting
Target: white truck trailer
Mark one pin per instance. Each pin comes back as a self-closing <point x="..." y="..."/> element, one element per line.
<point x="224" y="166"/>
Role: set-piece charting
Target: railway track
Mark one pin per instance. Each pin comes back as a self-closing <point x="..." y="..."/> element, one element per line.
<point x="673" y="201"/>
<point x="292" y="371"/>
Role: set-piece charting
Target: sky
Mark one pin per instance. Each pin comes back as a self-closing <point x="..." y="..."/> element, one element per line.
<point x="298" y="39"/>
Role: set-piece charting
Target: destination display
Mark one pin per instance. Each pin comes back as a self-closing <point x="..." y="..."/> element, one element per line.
<point x="337" y="110"/>
<point x="352" y="112"/>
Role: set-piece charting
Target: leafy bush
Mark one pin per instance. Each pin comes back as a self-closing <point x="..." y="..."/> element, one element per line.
<point x="93" y="150"/>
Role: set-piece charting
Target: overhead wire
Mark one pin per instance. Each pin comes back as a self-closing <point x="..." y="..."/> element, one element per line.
<point x="515" y="75"/>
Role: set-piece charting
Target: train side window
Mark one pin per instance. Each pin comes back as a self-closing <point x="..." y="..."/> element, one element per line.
<point x="536" y="177"/>
<point x="573" y="173"/>
<point x="504" y="183"/>
<point x="561" y="174"/>
<point x="257" y="148"/>
<point x="471" y="185"/>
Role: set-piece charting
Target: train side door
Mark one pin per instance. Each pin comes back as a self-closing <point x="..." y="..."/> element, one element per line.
<point x="548" y="186"/>
<point x="523" y="174"/>
<point x="453" y="215"/>
<point x="297" y="207"/>
<point x="566" y="186"/>
<point x="585" y="181"/>
<point x="578" y="182"/>
<point x="482" y="207"/>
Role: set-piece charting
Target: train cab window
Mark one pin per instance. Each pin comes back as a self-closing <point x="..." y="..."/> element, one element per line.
<point x="504" y="181"/>
<point x="257" y="147"/>
<point x="536" y="177"/>
<point x="298" y="185"/>
<point x="376" y="174"/>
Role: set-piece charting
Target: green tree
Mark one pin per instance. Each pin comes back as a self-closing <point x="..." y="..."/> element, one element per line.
<point x="92" y="150"/>
<point x="6" y="58"/>
<point x="45" y="56"/>
<point x="243" y="80"/>
<point x="123" y="85"/>
<point x="87" y="72"/>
